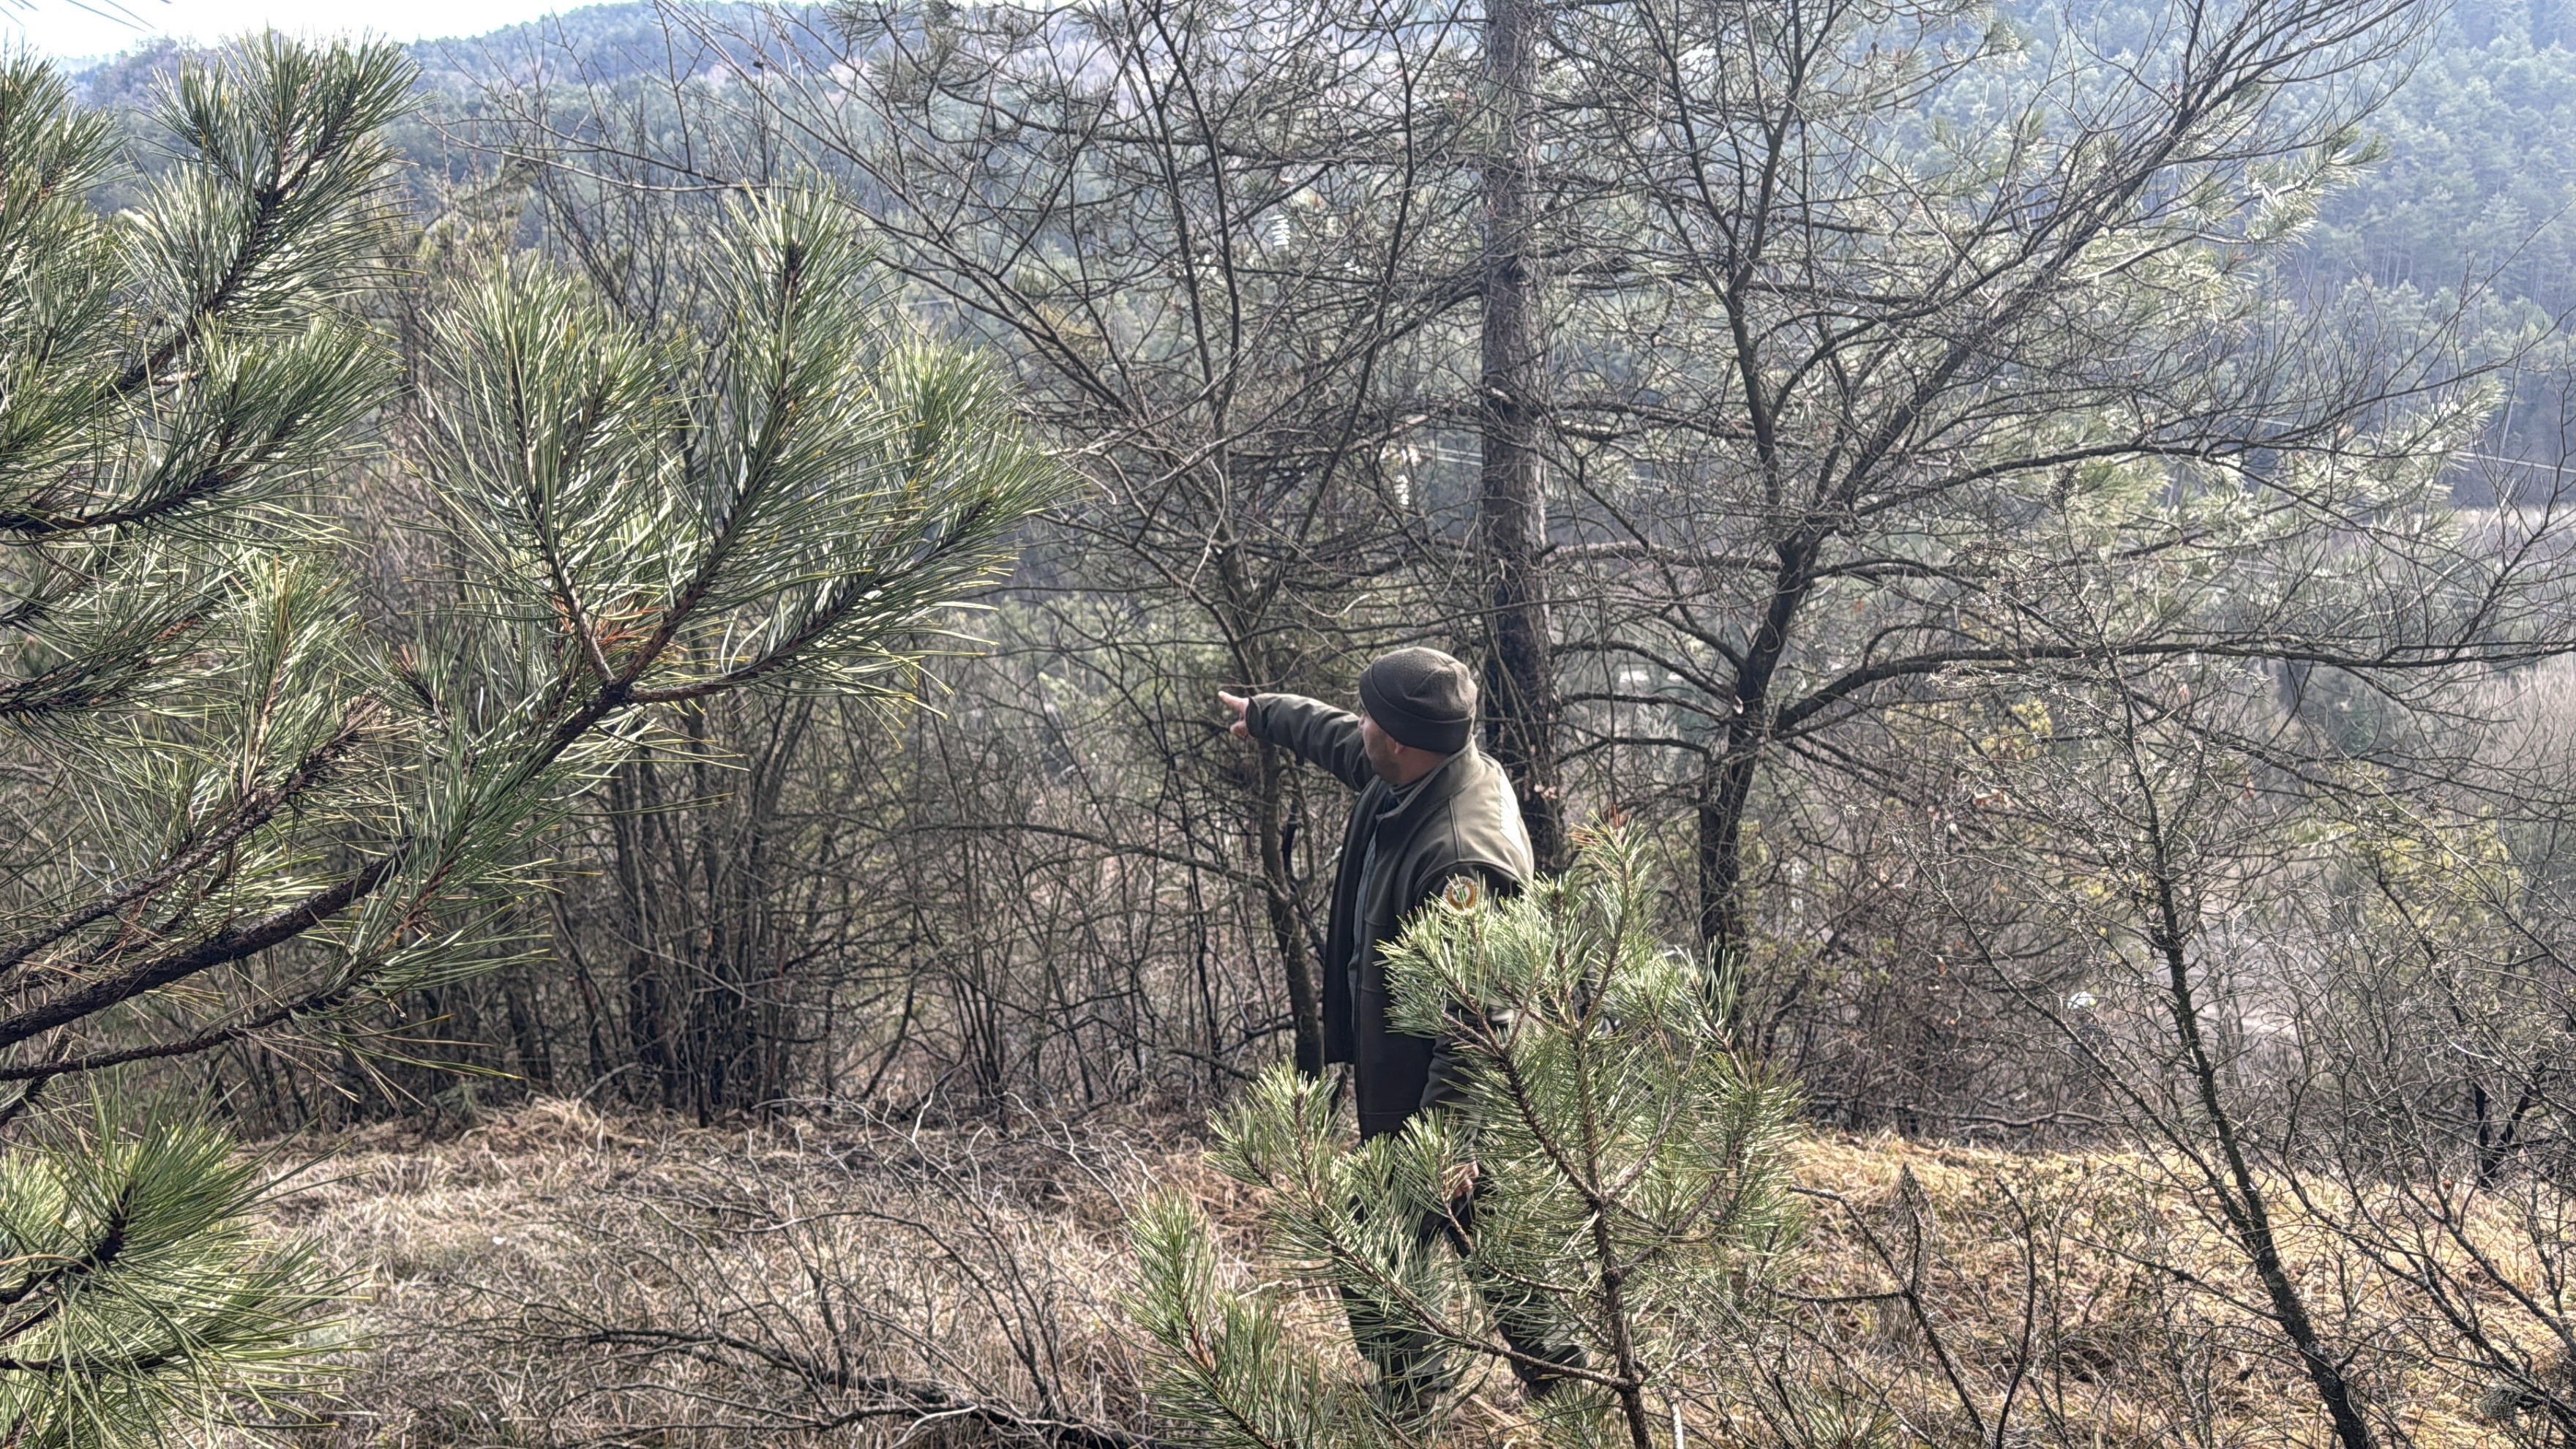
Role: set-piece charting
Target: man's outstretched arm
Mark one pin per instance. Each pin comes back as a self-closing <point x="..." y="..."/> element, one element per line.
<point x="1310" y="729"/>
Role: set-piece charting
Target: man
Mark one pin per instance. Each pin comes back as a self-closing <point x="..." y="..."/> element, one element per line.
<point x="1436" y="821"/>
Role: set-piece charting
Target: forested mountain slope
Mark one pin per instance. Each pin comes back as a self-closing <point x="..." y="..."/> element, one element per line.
<point x="2480" y="172"/>
<point x="2474" y="186"/>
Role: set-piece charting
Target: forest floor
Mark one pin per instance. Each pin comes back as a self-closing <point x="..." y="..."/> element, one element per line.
<point x="555" y="1276"/>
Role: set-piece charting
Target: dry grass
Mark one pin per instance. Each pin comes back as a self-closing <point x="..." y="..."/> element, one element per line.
<point x="555" y="1277"/>
<point x="2104" y="1295"/>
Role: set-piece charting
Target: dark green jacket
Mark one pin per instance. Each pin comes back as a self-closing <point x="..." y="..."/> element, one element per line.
<point x="1464" y="820"/>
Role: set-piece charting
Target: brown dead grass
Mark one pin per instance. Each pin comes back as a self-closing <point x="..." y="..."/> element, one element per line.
<point x="2121" y="1299"/>
<point x="558" y="1277"/>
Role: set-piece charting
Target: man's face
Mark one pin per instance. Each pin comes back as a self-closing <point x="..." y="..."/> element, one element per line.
<point x="1382" y="749"/>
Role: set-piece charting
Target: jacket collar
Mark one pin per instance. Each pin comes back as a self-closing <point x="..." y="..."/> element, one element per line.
<point x="1445" y="780"/>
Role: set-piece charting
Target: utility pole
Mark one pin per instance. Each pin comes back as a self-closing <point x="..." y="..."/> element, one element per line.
<point x="1511" y="413"/>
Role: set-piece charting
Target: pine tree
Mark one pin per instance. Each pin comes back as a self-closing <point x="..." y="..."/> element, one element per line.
<point x="1628" y="1170"/>
<point x="243" y="809"/>
<point x="257" y="809"/>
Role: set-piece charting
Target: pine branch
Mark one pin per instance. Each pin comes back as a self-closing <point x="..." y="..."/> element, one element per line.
<point x="249" y="814"/>
<point x="232" y="944"/>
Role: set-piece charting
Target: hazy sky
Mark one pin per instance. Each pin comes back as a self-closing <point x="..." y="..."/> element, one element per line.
<point x="65" y="30"/>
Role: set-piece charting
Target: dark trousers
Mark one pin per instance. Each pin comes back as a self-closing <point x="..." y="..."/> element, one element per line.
<point x="1413" y="1364"/>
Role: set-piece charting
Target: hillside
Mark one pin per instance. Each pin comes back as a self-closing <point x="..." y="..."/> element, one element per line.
<point x="2473" y="187"/>
<point x="714" y="709"/>
<point x="553" y="1276"/>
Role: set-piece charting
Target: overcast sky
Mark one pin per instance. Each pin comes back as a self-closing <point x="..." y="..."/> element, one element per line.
<point x="67" y="31"/>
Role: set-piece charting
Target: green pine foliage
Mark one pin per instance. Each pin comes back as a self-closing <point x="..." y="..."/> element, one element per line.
<point x="134" y="1295"/>
<point x="1630" y="1170"/>
<point x="170" y="372"/>
<point x="1234" y="1370"/>
<point x="274" y="810"/>
<point x="250" y="808"/>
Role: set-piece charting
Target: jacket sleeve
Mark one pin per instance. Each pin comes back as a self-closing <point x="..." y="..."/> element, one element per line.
<point x="1445" y="1088"/>
<point x="1313" y="731"/>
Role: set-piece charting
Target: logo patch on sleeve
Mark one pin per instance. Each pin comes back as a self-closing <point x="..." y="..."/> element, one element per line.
<point x="1464" y="893"/>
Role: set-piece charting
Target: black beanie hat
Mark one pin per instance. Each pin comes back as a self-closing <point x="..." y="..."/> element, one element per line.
<point x="1422" y="697"/>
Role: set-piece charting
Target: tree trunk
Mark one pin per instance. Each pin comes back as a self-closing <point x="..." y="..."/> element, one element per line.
<point x="2234" y="1185"/>
<point x="1520" y="686"/>
<point x="1305" y="1002"/>
<point x="2240" y="1198"/>
<point x="1728" y="781"/>
<point x="1729" y="786"/>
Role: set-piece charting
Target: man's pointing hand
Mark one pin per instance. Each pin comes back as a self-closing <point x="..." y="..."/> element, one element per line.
<point x="1235" y="702"/>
